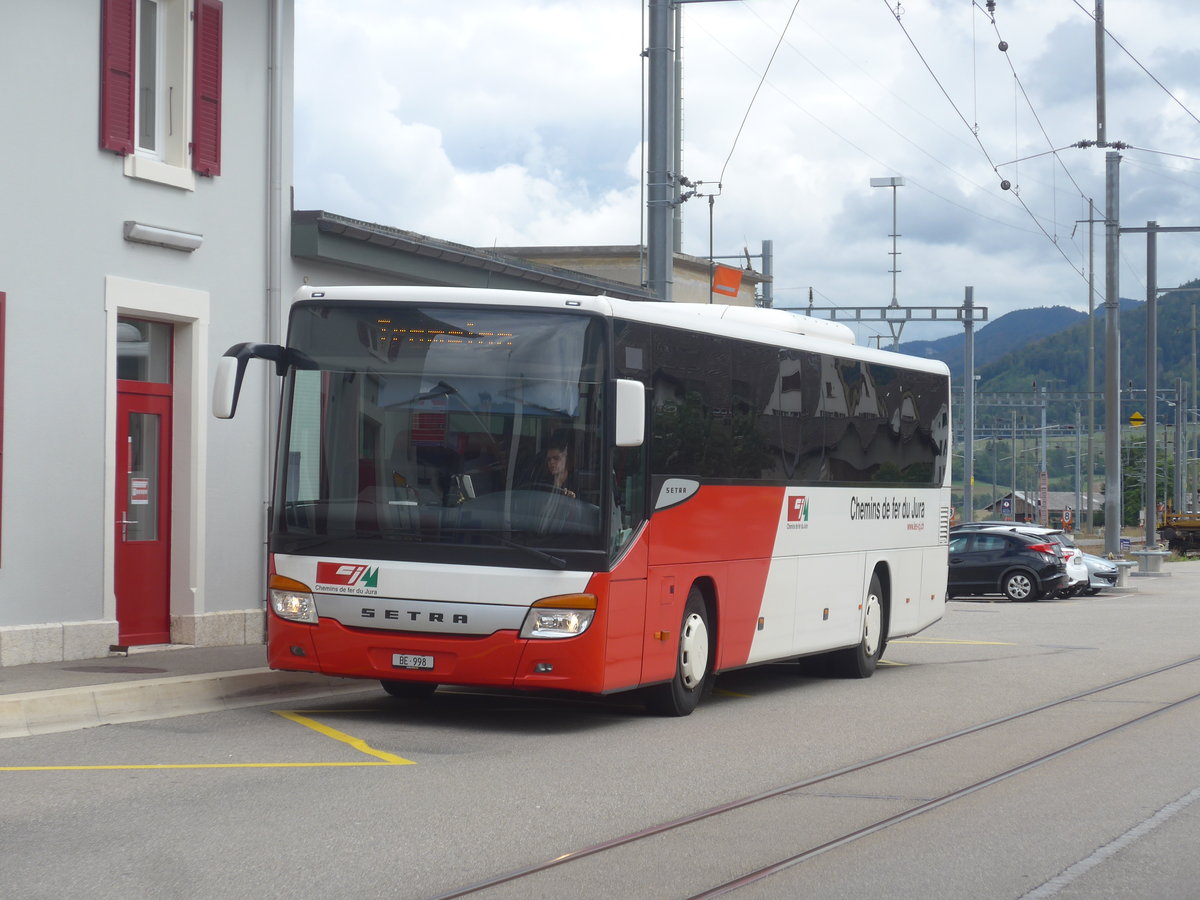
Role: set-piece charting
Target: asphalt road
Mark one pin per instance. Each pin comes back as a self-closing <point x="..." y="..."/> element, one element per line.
<point x="1030" y="749"/>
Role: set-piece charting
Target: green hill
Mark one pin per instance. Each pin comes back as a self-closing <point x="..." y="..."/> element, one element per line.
<point x="1060" y="361"/>
<point x="997" y="337"/>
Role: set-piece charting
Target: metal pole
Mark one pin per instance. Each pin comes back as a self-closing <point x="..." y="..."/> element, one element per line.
<point x="1151" y="492"/>
<point x="1078" y="463"/>
<point x="677" y="135"/>
<point x="1091" y="403"/>
<point x="1014" y="463"/>
<point x="1194" y="484"/>
<point x="1043" y="473"/>
<point x="1180" y="408"/>
<point x="768" y="270"/>
<point x="995" y="470"/>
<point x="659" y="256"/>
<point x="1112" y="356"/>
<point x="1100" y="112"/>
<point x="895" y="271"/>
<point x="969" y="404"/>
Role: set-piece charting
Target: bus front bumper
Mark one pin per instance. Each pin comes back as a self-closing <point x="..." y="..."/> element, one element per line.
<point x="502" y="659"/>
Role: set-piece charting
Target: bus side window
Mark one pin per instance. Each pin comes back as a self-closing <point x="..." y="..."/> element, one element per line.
<point x="629" y="493"/>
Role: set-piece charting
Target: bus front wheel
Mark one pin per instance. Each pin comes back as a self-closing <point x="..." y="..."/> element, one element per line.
<point x="693" y="675"/>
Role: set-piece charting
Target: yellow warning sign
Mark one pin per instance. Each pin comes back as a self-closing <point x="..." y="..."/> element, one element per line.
<point x="1137" y="419"/>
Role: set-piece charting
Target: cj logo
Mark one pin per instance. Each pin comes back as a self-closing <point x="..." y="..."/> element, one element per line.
<point x="347" y="575"/>
<point x="797" y="508"/>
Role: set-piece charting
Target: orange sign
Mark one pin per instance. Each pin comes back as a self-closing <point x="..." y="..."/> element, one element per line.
<point x="727" y="280"/>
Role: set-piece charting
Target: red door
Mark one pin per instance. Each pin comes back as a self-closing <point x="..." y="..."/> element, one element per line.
<point x="143" y="545"/>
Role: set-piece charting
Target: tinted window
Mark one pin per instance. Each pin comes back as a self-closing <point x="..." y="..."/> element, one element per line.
<point x="988" y="543"/>
<point x="693" y="404"/>
<point x="734" y="410"/>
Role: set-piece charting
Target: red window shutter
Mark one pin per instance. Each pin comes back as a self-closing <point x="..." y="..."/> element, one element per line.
<point x="116" y="75"/>
<point x="206" y="98"/>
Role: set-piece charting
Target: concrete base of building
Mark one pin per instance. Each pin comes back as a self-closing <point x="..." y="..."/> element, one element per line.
<point x="61" y="641"/>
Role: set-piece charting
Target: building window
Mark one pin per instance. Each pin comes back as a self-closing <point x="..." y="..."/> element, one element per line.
<point x="144" y="351"/>
<point x="160" y="87"/>
<point x="151" y="114"/>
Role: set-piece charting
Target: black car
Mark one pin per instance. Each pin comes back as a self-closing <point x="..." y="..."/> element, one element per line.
<point x="1019" y="566"/>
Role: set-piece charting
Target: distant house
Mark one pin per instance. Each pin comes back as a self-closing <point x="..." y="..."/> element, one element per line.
<point x="1022" y="506"/>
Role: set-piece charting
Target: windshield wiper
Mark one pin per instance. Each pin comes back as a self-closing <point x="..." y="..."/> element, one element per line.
<point x="556" y="561"/>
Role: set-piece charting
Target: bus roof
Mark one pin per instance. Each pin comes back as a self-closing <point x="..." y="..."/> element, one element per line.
<point x="775" y="326"/>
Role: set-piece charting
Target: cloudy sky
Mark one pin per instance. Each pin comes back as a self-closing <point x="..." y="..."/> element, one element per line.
<point x="520" y="122"/>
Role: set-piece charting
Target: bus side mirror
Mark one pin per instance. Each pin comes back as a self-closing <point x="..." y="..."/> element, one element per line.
<point x="631" y="413"/>
<point x="231" y="369"/>
<point x="227" y="386"/>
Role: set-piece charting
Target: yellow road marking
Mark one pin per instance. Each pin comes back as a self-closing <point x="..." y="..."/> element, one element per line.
<point x="357" y="743"/>
<point x="386" y="759"/>
<point x="315" y="765"/>
<point x="964" y="643"/>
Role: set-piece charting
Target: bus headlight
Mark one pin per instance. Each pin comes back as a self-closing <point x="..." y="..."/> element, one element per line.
<point x="292" y="600"/>
<point x="560" y="617"/>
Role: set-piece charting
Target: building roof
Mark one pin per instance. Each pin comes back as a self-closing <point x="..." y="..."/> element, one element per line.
<point x="412" y="258"/>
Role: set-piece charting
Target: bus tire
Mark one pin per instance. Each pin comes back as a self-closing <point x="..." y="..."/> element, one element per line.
<point x="409" y="690"/>
<point x="693" y="663"/>
<point x="860" y="661"/>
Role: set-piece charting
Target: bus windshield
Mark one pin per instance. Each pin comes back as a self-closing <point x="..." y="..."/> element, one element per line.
<point x="415" y="427"/>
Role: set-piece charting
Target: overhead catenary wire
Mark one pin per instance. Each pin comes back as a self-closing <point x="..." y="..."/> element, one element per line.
<point x="1032" y="109"/>
<point x="750" y="105"/>
<point x="915" y="182"/>
<point x="983" y="149"/>
<point x="1138" y="62"/>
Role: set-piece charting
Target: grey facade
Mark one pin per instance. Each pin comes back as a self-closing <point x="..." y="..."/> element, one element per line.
<point x="69" y="273"/>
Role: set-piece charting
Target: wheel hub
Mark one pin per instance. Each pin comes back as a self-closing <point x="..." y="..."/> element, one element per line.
<point x="873" y="627"/>
<point x="693" y="651"/>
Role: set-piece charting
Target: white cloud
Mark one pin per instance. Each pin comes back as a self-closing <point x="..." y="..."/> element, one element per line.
<point x="516" y="122"/>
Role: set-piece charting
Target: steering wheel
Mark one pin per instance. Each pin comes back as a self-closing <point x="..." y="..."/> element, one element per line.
<point x="544" y="486"/>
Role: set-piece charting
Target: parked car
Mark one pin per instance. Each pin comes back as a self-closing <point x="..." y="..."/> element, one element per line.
<point x="1004" y="561"/>
<point x="1077" y="572"/>
<point x="1101" y="574"/>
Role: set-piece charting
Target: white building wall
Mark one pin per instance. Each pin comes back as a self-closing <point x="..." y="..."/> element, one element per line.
<point x="68" y="272"/>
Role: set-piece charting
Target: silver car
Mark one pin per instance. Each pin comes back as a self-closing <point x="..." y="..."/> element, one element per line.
<point x="1101" y="574"/>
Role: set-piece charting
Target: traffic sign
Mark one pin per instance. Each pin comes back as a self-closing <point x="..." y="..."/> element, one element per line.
<point x="1137" y="420"/>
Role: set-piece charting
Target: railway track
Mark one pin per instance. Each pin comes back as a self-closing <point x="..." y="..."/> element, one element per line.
<point x="891" y="784"/>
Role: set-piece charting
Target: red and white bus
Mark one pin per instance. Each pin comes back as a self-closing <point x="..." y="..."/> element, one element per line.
<point x="547" y="492"/>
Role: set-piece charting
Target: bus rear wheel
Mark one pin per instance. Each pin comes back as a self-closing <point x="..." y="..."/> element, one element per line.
<point x="693" y="670"/>
<point x="860" y="661"/>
